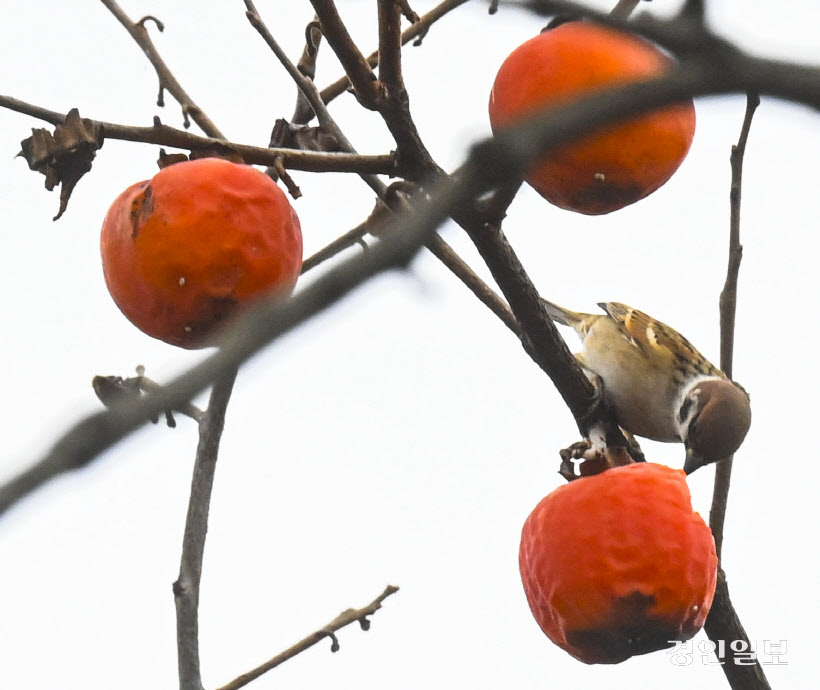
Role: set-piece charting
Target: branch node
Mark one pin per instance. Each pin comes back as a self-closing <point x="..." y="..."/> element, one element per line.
<point x="151" y="18"/>
<point x="407" y="11"/>
<point x="279" y="168"/>
<point x="334" y="641"/>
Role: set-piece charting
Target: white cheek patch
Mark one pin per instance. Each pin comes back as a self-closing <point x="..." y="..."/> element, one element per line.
<point x="685" y="416"/>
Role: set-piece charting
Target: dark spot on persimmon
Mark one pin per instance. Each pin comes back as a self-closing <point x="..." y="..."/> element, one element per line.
<point x="629" y="631"/>
<point x="141" y="208"/>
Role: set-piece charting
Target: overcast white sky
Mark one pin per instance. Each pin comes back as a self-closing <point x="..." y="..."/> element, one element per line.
<point x="403" y="436"/>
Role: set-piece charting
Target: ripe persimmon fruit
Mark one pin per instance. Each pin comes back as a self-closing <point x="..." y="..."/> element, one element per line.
<point x="610" y="168"/>
<point x="618" y="564"/>
<point x="185" y="251"/>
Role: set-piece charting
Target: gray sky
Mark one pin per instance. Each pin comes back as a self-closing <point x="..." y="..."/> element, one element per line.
<point x="404" y="436"/>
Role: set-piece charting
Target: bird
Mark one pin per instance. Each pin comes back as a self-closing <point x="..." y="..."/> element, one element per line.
<point x="658" y="385"/>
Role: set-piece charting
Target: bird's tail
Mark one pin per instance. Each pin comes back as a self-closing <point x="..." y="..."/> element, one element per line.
<point x="563" y="316"/>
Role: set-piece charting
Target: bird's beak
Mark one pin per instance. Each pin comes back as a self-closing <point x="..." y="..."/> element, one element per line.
<point x="693" y="461"/>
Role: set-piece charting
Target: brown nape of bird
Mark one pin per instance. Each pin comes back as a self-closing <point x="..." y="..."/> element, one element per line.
<point x="721" y="425"/>
<point x="658" y="385"/>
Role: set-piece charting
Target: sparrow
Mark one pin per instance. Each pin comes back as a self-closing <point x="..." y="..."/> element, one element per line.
<point x="659" y="386"/>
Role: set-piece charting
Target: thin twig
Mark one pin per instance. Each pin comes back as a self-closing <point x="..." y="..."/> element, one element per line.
<point x="304" y="83"/>
<point x="303" y="112"/>
<point x="624" y="8"/>
<point x="486" y="295"/>
<point x="186" y="588"/>
<point x="349" y="239"/>
<point x="388" y="98"/>
<point x="723" y="624"/>
<point x="166" y="78"/>
<point x="416" y="31"/>
<point x="308" y="88"/>
<point x="344" y="619"/>
<point x="491" y="163"/>
<point x="728" y="309"/>
<point x="162" y="135"/>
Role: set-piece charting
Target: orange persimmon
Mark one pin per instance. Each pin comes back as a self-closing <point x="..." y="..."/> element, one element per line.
<point x="188" y="249"/>
<point x="610" y="168"/>
<point x="618" y="564"/>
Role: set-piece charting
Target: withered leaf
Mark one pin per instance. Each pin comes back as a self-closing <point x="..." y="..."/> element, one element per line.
<point x="65" y="156"/>
<point x="290" y="136"/>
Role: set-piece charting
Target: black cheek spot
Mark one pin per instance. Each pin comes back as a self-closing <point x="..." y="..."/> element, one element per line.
<point x="684" y="409"/>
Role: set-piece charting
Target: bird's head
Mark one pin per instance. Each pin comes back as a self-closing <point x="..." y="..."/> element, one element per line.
<point x="714" y="418"/>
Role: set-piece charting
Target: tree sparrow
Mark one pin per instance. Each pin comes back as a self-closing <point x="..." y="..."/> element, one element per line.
<point x="658" y="384"/>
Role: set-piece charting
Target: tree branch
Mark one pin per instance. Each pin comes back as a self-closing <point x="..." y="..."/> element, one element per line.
<point x="624" y="8"/>
<point x="723" y="623"/>
<point x="417" y="31"/>
<point x="303" y="112"/>
<point x="344" y="619"/>
<point x="390" y="46"/>
<point x="728" y="309"/>
<point x="166" y="78"/>
<point x="308" y="88"/>
<point x="186" y="588"/>
<point x="486" y="295"/>
<point x="368" y="89"/>
<point x="162" y="135"/>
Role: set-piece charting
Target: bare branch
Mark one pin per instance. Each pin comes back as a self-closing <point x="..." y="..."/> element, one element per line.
<point x="344" y="619"/>
<point x="417" y="31"/>
<point x="303" y="113"/>
<point x="304" y="84"/>
<point x="186" y="588"/>
<point x="486" y="295"/>
<point x="390" y="46"/>
<point x="624" y="8"/>
<point x="539" y="334"/>
<point x="350" y="238"/>
<point x="368" y="89"/>
<point x="167" y="80"/>
<point x="728" y="309"/>
<point x="162" y="135"/>
<point x="307" y="87"/>
<point x="724" y="624"/>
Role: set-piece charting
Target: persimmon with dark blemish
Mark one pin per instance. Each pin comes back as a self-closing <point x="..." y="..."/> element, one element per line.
<point x="187" y="251"/>
<point x="618" y="564"/>
<point x="611" y="167"/>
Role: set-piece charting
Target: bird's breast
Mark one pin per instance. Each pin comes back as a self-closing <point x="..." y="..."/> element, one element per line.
<point x="640" y="387"/>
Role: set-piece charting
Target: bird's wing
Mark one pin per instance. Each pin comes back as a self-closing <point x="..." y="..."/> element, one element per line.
<point x="660" y="342"/>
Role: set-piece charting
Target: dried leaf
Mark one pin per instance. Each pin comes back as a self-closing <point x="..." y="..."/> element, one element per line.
<point x="65" y="156"/>
<point x="289" y="136"/>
